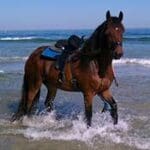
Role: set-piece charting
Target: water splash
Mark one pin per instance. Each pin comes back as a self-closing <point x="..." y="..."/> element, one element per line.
<point x="48" y="127"/>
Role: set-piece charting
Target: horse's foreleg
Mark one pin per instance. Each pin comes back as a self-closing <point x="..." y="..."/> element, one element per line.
<point x="50" y="98"/>
<point x="88" y="98"/>
<point x="110" y="104"/>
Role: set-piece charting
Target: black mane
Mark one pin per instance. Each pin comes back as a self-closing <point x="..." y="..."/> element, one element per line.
<point x="96" y="47"/>
<point x="92" y="44"/>
<point x="97" y="40"/>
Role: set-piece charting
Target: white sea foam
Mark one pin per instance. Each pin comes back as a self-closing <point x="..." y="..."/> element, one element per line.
<point x="129" y="61"/>
<point x="1" y="71"/>
<point x="13" y="59"/>
<point x="48" y="127"/>
<point x="138" y="61"/>
<point x="16" y="38"/>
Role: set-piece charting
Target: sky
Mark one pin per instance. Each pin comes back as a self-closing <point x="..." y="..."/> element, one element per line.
<point x="70" y="14"/>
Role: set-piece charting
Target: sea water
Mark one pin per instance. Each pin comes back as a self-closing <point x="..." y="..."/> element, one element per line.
<point x="65" y="127"/>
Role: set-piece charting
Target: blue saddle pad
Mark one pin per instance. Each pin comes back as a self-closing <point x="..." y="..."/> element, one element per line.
<point x="51" y="53"/>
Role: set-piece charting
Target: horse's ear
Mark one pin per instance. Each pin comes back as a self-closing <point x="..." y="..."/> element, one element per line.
<point x="120" y="15"/>
<point x="82" y="38"/>
<point x="108" y="15"/>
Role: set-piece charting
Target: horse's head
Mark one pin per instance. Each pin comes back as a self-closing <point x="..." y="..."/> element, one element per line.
<point x="114" y="34"/>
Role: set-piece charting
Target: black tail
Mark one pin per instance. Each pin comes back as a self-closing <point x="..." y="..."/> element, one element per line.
<point x="26" y="103"/>
<point x="22" y="108"/>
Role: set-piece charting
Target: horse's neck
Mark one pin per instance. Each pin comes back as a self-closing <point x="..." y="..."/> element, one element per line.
<point x="103" y="62"/>
<point x="95" y="49"/>
<point x="103" y="65"/>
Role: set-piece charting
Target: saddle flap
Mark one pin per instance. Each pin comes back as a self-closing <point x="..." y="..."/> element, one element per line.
<point x="51" y="53"/>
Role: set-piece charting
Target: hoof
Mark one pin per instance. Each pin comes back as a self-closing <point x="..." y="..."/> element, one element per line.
<point x="114" y="117"/>
<point x="106" y="107"/>
<point x="49" y="109"/>
<point x="88" y="124"/>
<point x="115" y="120"/>
<point x="16" y="116"/>
<point x="103" y="110"/>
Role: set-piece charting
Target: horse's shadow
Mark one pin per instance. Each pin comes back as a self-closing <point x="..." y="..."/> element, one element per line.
<point x="65" y="110"/>
<point x="13" y="106"/>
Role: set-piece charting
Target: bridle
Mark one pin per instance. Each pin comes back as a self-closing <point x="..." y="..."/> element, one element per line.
<point x="117" y="44"/>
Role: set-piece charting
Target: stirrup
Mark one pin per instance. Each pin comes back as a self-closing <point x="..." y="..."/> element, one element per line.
<point x="57" y="66"/>
<point x="62" y="77"/>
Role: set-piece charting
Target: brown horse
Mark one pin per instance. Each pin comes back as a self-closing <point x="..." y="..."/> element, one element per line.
<point x="93" y="71"/>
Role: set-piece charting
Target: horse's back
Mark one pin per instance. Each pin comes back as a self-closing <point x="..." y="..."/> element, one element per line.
<point x="36" y="64"/>
<point x="37" y="53"/>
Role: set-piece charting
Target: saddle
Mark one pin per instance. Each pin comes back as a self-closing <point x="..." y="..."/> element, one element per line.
<point x="68" y="51"/>
<point x="51" y="53"/>
<point x="73" y="41"/>
<point x="69" y="46"/>
<point x="61" y="44"/>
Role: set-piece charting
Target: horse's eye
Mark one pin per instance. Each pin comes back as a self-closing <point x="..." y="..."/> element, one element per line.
<point x="116" y="28"/>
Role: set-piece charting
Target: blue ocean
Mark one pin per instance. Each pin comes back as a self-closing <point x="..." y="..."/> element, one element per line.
<point x="70" y="132"/>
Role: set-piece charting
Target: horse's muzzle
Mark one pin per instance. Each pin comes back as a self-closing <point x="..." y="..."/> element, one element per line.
<point x="117" y="55"/>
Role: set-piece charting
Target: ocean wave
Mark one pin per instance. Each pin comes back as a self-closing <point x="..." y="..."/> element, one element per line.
<point x="137" y="38"/>
<point x="51" y="39"/>
<point x="28" y="38"/>
<point x="13" y="59"/>
<point x="42" y="39"/>
<point x="138" y="61"/>
<point x="16" y="38"/>
<point x="1" y="71"/>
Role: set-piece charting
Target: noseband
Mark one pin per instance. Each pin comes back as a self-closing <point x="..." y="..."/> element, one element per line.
<point x="115" y="44"/>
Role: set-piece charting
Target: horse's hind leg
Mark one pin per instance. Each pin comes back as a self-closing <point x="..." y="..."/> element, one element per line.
<point x="26" y="105"/>
<point x="35" y="101"/>
<point x="30" y="95"/>
<point x="51" y="93"/>
<point x="110" y="104"/>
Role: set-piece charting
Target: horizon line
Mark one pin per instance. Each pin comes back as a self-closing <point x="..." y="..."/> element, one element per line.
<point x="52" y="29"/>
